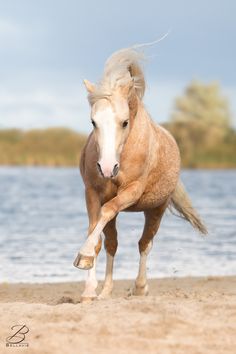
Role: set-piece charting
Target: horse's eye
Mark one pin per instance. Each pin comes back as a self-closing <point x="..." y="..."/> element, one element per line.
<point x="93" y="123"/>
<point x="124" y="124"/>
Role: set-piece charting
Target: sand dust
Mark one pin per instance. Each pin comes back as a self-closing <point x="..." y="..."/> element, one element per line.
<point x="188" y="315"/>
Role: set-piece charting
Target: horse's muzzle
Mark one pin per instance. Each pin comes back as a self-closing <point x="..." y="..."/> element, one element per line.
<point x="108" y="174"/>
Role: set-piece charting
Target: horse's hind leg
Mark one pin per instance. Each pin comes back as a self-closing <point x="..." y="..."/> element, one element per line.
<point x="111" y="247"/>
<point x="152" y="223"/>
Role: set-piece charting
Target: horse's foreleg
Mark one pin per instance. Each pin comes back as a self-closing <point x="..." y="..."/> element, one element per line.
<point x="91" y="283"/>
<point x="111" y="247"/>
<point x="152" y="223"/>
<point x="93" y="207"/>
<point x="125" y="198"/>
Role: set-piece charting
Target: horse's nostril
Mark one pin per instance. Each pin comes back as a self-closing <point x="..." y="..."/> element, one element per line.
<point x="100" y="169"/>
<point x="115" y="169"/>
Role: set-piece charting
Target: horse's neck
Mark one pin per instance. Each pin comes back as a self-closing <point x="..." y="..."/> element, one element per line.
<point x="138" y="141"/>
<point x="139" y="122"/>
<point x="136" y="108"/>
<point x="133" y="108"/>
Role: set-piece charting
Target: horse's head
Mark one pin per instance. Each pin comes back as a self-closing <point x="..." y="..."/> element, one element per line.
<point x="110" y="117"/>
<point x="114" y="105"/>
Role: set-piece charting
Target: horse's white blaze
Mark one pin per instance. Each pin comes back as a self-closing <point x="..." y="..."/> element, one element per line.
<point x="106" y="123"/>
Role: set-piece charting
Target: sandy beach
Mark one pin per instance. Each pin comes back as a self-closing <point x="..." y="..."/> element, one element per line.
<point x="181" y="315"/>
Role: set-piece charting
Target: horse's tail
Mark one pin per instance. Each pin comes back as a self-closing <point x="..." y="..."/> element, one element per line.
<point x="181" y="202"/>
<point x="124" y="65"/>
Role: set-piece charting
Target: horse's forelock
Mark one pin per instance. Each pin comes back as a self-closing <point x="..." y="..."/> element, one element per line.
<point x="121" y="68"/>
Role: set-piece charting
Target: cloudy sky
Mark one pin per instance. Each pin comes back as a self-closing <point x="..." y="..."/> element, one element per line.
<point x="48" y="47"/>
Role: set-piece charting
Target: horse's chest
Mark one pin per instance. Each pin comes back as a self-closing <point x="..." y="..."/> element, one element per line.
<point x="107" y="192"/>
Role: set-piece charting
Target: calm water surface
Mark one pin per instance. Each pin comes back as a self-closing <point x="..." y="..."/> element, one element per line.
<point x="43" y="223"/>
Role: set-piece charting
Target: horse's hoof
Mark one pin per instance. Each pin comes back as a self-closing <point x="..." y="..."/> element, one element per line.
<point x="140" y="291"/>
<point x="83" y="262"/>
<point x="104" y="296"/>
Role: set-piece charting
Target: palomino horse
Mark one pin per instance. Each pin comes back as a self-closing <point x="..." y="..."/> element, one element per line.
<point x="129" y="163"/>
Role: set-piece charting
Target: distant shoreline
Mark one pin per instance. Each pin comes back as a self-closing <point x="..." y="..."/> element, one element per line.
<point x="62" y="147"/>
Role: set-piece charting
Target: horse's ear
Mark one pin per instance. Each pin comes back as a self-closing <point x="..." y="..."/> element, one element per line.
<point x="89" y="86"/>
<point x="126" y="89"/>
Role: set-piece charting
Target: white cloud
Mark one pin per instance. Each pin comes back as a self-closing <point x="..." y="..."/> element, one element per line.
<point x="44" y="108"/>
<point x="8" y="28"/>
<point x="10" y="31"/>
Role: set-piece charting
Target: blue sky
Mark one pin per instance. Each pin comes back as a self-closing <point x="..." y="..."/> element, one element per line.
<point x="48" y="47"/>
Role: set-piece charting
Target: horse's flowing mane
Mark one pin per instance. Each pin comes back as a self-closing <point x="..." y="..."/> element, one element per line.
<point x="121" y="68"/>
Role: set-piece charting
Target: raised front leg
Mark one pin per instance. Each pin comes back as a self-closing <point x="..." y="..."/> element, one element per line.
<point x="125" y="198"/>
<point x="93" y="207"/>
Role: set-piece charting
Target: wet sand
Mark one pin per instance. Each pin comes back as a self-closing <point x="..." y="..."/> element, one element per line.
<point x="180" y="315"/>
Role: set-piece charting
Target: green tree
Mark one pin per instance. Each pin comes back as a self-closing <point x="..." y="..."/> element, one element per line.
<point x="201" y="122"/>
<point x="204" y="108"/>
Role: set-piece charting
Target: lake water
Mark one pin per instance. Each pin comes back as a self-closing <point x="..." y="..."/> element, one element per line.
<point x="43" y="223"/>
